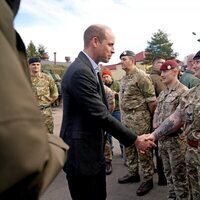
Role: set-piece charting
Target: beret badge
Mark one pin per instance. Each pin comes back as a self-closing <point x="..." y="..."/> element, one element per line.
<point x="169" y="67"/>
<point x="124" y="53"/>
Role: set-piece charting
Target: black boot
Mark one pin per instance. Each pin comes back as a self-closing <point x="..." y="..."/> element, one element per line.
<point x="145" y="187"/>
<point x="129" y="179"/>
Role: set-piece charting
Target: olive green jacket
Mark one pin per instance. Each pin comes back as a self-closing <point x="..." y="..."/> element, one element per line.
<point x="157" y="81"/>
<point x="29" y="157"/>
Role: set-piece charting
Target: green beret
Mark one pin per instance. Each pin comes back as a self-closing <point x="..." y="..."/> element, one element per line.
<point x="33" y="60"/>
<point x="127" y="53"/>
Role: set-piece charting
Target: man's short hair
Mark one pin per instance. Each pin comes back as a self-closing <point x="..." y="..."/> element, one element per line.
<point x="157" y="58"/>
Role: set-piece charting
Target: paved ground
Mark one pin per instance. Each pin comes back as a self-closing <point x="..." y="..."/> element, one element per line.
<point x="58" y="190"/>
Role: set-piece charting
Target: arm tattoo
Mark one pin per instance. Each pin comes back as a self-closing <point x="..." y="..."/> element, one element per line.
<point x="164" y="129"/>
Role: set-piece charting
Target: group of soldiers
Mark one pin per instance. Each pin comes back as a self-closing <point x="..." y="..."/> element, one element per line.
<point x="142" y="102"/>
<point x="146" y="102"/>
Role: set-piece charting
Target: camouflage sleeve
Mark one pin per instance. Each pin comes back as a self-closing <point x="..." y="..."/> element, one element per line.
<point x="147" y="88"/>
<point x="183" y="104"/>
<point x="53" y="88"/>
<point x="155" y="118"/>
<point x="110" y="98"/>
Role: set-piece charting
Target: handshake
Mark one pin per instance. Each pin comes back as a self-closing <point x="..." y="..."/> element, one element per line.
<point x="145" y="142"/>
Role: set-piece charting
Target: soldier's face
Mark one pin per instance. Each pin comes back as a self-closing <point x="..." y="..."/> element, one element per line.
<point x="107" y="79"/>
<point x="197" y="68"/>
<point x="35" y="67"/>
<point x="168" y="76"/>
<point x="158" y="63"/>
<point x="127" y="63"/>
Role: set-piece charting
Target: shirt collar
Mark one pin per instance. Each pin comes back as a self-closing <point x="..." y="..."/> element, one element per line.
<point x="174" y="87"/>
<point x="94" y="65"/>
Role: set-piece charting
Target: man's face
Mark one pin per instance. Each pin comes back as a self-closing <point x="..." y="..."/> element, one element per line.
<point x="196" y="68"/>
<point x="107" y="79"/>
<point x="105" y="48"/>
<point x="35" y="67"/>
<point x="127" y="63"/>
<point x="168" y="76"/>
<point x="157" y="63"/>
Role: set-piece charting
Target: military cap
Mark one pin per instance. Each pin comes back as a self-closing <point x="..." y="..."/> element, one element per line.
<point x="127" y="53"/>
<point x="197" y="56"/>
<point x="33" y="60"/>
<point x="169" y="64"/>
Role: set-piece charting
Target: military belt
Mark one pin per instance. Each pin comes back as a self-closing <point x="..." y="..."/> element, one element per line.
<point x="193" y="143"/>
<point x="43" y="107"/>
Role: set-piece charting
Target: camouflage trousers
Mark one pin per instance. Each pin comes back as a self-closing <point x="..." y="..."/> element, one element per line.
<point x="146" y="161"/>
<point x="108" y="151"/>
<point x="48" y="119"/>
<point x="172" y="151"/>
<point x="193" y="168"/>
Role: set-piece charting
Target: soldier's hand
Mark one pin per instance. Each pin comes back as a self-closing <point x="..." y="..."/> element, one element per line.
<point x="151" y="137"/>
<point x="144" y="143"/>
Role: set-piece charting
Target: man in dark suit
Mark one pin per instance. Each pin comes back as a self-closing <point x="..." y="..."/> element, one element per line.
<point x="86" y="117"/>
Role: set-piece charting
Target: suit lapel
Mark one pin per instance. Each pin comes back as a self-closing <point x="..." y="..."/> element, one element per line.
<point x="86" y="61"/>
<point x="103" y="95"/>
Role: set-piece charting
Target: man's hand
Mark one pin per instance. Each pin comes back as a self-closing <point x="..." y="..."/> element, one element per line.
<point x="144" y="142"/>
<point x="151" y="137"/>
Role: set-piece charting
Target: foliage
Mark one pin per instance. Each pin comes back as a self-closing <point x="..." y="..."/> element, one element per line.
<point x="55" y="69"/>
<point x="159" y="45"/>
<point x="41" y="50"/>
<point x="31" y="50"/>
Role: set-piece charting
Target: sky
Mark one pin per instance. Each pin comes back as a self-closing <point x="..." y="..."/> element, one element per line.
<point x="59" y="25"/>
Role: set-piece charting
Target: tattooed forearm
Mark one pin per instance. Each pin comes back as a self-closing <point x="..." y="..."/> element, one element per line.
<point x="169" y="125"/>
<point x="164" y="129"/>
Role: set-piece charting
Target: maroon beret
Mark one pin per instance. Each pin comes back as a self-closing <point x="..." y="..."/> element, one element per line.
<point x="169" y="64"/>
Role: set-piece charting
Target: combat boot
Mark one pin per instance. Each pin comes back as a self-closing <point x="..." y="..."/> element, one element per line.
<point x="129" y="179"/>
<point x="145" y="187"/>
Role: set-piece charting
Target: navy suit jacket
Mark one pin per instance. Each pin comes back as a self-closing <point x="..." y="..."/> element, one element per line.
<point x="86" y="118"/>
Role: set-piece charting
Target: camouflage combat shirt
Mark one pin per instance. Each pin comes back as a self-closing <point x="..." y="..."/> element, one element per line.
<point x="167" y="102"/>
<point x="44" y="88"/>
<point x="110" y="98"/>
<point x="189" y="109"/>
<point x="136" y="90"/>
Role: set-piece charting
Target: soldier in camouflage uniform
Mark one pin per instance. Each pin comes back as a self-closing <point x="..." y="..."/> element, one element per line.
<point x="187" y="112"/>
<point x="137" y="103"/>
<point x="114" y="86"/>
<point x="172" y="148"/>
<point x="108" y="148"/>
<point x="158" y="86"/>
<point x="45" y="91"/>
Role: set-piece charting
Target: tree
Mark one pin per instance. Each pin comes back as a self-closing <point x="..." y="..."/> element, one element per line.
<point x="31" y="50"/>
<point x="159" y="45"/>
<point x="41" y="50"/>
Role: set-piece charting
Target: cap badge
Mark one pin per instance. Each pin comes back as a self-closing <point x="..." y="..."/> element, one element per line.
<point x="169" y="67"/>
